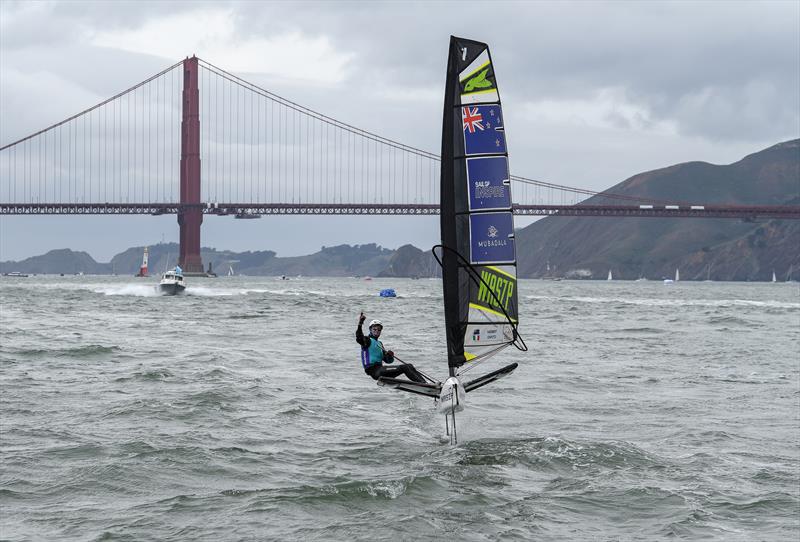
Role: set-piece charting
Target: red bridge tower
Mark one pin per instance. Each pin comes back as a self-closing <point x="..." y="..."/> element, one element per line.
<point x="190" y="221"/>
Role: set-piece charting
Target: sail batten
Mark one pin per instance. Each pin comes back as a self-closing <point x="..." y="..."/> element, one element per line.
<point x="479" y="275"/>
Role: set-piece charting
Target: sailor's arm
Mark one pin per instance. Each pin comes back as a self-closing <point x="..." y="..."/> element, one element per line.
<point x="360" y="338"/>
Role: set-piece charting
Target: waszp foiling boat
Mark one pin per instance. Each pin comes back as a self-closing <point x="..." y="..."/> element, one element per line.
<point x="477" y="253"/>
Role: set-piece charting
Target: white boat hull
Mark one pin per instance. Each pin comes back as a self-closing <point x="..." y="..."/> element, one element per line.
<point x="452" y="397"/>
<point x="171" y="289"/>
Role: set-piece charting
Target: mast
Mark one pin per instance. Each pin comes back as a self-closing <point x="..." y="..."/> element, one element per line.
<point x="447" y="216"/>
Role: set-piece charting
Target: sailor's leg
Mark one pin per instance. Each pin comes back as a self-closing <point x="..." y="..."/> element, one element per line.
<point x="375" y="372"/>
<point x="412" y="373"/>
<point x="391" y="372"/>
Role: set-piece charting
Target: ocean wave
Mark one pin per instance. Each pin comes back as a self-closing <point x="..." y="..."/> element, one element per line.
<point x="203" y="291"/>
<point x="717" y="320"/>
<point x="660" y="302"/>
<point x="556" y="454"/>
<point x="133" y="290"/>
<point x="79" y="352"/>
<point x="346" y="492"/>
<point x="150" y="375"/>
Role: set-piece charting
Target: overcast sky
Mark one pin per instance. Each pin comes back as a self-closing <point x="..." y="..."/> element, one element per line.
<point x="593" y="92"/>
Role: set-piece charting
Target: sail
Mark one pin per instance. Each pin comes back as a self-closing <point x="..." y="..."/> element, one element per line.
<point x="479" y="265"/>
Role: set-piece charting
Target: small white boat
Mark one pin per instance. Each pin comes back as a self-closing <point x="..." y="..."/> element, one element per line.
<point x="15" y="274"/>
<point x="172" y="282"/>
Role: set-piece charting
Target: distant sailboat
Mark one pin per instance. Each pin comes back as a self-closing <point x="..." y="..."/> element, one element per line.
<point x="230" y="270"/>
<point x="610" y="276"/>
<point x="677" y="274"/>
<point x="549" y="276"/>
<point x="774" y="278"/>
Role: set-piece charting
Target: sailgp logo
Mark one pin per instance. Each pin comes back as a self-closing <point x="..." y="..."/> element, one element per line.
<point x="484" y="189"/>
<point x="492" y="232"/>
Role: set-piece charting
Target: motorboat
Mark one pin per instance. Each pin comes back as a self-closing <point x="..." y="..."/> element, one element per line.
<point x="172" y="282"/>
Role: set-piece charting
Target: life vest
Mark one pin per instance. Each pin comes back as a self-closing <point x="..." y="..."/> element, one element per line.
<point x="373" y="354"/>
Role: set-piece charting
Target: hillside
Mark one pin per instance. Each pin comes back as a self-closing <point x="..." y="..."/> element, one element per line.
<point x="342" y="260"/>
<point x="572" y="247"/>
<point x="717" y="249"/>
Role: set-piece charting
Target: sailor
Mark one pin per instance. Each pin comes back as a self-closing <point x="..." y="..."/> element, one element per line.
<point x="374" y="355"/>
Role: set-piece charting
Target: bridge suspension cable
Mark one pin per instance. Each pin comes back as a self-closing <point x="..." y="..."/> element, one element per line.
<point x="256" y="147"/>
<point x="118" y="151"/>
<point x="294" y="154"/>
<point x="578" y="194"/>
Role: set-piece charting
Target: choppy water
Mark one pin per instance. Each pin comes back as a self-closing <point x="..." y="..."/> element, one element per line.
<point x="240" y="412"/>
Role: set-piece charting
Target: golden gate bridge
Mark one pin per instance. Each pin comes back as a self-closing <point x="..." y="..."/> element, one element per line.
<point x="141" y="151"/>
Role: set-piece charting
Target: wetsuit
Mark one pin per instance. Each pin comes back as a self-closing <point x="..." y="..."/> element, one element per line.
<point x="373" y="357"/>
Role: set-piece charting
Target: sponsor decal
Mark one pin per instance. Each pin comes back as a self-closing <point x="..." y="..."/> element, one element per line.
<point x="477" y="80"/>
<point x="488" y="182"/>
<point x="491" y="237"/>
<point x="483" y="129"/>
<point x="503" y="287"/>
<point x="486" y="335"/>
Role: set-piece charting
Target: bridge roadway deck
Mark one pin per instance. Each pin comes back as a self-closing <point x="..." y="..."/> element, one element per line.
<point x="256" y="210"/>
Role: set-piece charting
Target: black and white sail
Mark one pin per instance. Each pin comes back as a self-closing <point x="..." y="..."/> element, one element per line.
<point x="479" y="264"/>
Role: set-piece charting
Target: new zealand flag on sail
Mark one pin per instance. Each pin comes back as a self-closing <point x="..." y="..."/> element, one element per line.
<point x="483" y="129"/>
